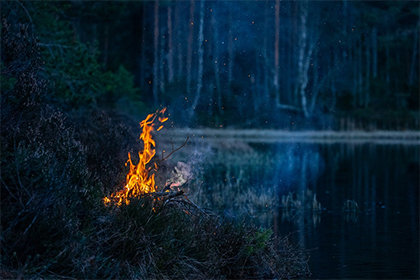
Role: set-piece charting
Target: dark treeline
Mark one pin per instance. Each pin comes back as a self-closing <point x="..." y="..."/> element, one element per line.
<point x="279" y="64"/>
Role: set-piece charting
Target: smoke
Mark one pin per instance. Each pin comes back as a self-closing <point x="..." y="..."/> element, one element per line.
<point x="197" y="159"/>
<point x="182" y="169"/>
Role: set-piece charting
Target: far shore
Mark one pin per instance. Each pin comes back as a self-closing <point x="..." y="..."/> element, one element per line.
<point x="409" y="137"/>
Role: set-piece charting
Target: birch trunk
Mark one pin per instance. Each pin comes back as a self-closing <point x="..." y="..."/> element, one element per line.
<point x="367" y="82"/>
<point x="216" y="62"/>
<point x="276" y="53"/>
<point x="156" y="54"/>
<point x="266" y="61"/>
<point x="200" y="59"/>
<point x="162" y="65"/>
<point x="415" y="49"/>
<point x="375" y="52"/>
<point x="190" y="42"/>
<point x="388" y="63"/>
<point x="170" y="49"/>
<point x="360" y="73"/>
<point x="334" y="65"/>
<point x="178" y="44"/>
<point x="230" y="53"/>
<point x="143" y="49"/>
<point x="316" y="84"/>
<point x="305" y="53"/>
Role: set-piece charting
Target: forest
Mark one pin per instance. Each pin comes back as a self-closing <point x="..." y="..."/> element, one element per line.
<point x="292" y="65"/>
<point x="77" y="78"/>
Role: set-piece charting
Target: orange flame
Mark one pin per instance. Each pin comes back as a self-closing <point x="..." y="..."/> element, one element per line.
<point x="138" y="181"/>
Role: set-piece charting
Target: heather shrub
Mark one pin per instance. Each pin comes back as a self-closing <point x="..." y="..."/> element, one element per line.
<point x="107" y="138"/>
<point x="178" y="241"/>
<point x="46" y="187"/>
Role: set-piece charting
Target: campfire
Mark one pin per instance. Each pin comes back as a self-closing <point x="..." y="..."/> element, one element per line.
<point x="140" y="179"/>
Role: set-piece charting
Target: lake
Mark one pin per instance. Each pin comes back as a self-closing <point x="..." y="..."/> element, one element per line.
<point x="353" y="204"/>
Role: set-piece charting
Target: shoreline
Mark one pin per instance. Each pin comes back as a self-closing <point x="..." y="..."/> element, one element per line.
<point x="410" y="137"/>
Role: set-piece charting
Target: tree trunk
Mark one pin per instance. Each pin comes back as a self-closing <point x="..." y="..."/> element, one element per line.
<point x="345" y="28"/>
<point x="216" y="62"/>
<point x="170" y="50"/>
<point x="143" y="49"/>
<point x="230" y="53"/>
<point x="334" y="65"/>
<point x="359" y="73"/>
<point x="353" y="62"/>
<point x="375" y="52"/>
<point x="256" y="97"/>
<point x="178" y="42"/>
<point x="294" y="53"/>
<point x="106" y="46"/>
<point x="388" y="63"/>
<point x="200" y="59"/>
<point x="156" y="54"/>
<point x="396" y="81"/>
<point x="289" y="62"/>
<point x="413" y="59"/>
<point x="276" y="52"/>
<point x="305" y="52"/>
<point x="162" y="64"/>
<point x="266" y="61"/>
<point x="190" y="42"/>
<point x="316" y="84"/>
<point x="367" y="82"/>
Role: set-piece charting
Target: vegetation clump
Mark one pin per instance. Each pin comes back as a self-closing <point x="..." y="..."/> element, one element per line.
<point x="54" y="176"/>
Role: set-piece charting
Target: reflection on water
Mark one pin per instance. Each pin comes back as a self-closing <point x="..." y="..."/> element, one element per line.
<point x="368" y="226"/>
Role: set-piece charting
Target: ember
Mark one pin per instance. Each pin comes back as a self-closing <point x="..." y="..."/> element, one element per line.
<point x="138" y="180"/>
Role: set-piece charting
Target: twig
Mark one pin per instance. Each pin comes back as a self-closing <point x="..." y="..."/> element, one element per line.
<point x="27" y="13"/>
<point x="178" y="193"/>
<point x="169" y="194"/>
<point x="54" y="45"/>
<point x="288" y="107"/>
<point x="26" y="230"/>
<point x="173" y="151"/>
<point x="17" y="171"/>
<point x="7" y="188"/>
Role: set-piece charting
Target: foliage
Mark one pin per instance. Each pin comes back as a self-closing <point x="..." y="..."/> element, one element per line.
<point x="73" y="68"/>
<point x="45" y="183"/>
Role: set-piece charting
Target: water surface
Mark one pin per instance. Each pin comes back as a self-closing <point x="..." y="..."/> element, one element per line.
<point x="380" y="240"/>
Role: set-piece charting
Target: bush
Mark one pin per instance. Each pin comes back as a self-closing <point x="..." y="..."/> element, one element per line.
<point x="179" y="240"/>
<point x="46" y="186"/>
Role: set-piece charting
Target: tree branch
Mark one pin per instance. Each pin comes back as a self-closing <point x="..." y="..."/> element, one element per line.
<point x="288" y="107"/>
<point x="173" y="151"/>
<point x="27" y="13"/>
